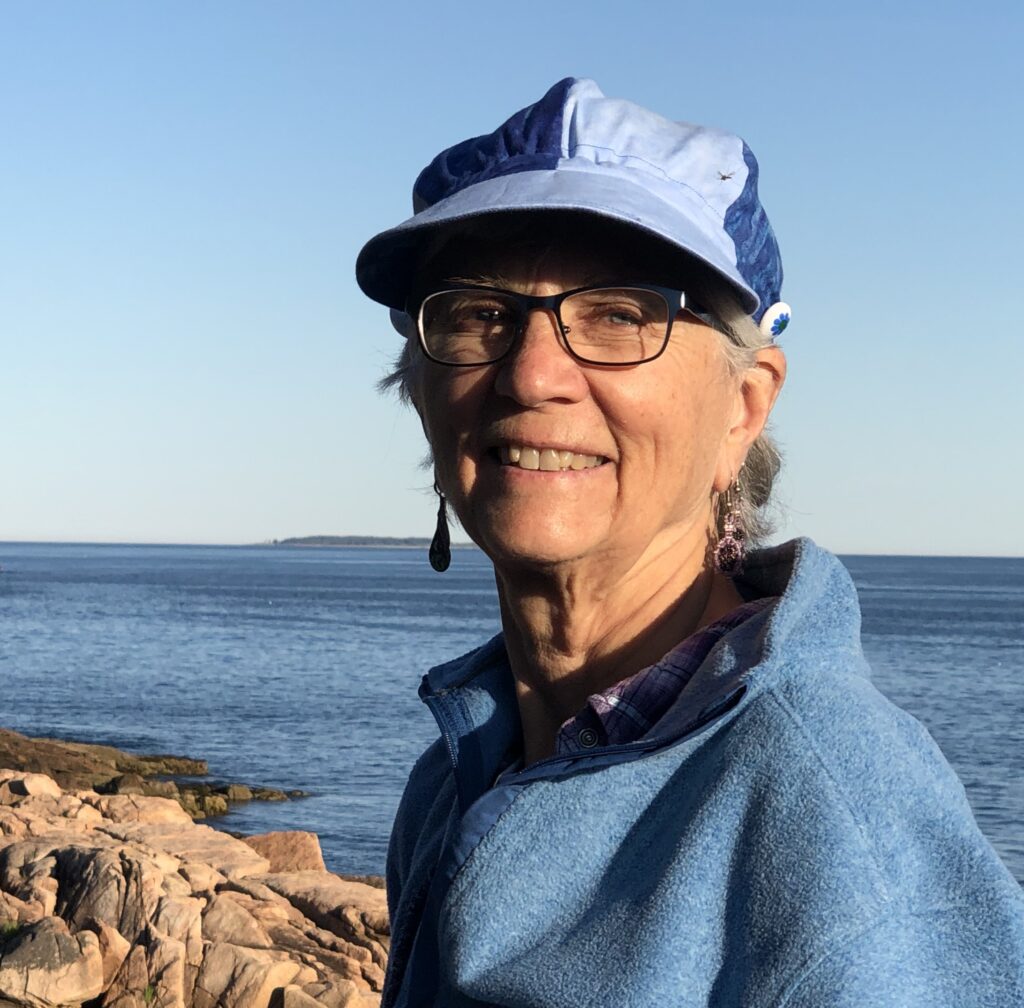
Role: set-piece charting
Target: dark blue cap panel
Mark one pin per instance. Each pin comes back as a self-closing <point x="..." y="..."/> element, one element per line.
<point x="530" y="140"/>
<point x="757" y="252"/>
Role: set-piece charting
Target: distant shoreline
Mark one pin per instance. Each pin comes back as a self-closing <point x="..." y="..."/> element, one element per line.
<point x="372" y="542"/>
<point x="379" y="542"/>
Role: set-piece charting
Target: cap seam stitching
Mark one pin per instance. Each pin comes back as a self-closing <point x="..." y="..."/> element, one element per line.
<point x="658" y="171"/>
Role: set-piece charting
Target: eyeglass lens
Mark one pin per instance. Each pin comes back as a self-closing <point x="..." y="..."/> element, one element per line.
<point x="610" y="325"/>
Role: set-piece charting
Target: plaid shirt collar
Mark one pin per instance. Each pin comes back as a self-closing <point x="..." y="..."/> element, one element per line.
<point x="628" y="710"/>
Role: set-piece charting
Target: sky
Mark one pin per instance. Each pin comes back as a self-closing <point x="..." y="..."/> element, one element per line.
<point x="184" y="187"/>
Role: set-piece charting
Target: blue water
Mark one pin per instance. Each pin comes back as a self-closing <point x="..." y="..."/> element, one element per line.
<point x="298" y="668"/>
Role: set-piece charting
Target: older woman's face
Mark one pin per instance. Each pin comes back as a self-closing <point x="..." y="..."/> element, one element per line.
<point x="649" y="443"/>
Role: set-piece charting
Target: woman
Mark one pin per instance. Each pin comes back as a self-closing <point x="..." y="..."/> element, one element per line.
<point x="668" y="781"/>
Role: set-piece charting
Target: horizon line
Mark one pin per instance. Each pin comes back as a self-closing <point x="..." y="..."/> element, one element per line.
<point x="457" y="544"/>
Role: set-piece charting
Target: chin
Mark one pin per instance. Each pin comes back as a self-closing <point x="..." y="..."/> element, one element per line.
<point x="540" y="517"/>
<point x="543" y="542"/>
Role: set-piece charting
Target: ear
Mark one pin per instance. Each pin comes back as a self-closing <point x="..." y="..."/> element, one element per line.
<point x="758" y="388"/>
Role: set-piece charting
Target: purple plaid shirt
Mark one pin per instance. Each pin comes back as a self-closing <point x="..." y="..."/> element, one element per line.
<point x="626" y="711"/>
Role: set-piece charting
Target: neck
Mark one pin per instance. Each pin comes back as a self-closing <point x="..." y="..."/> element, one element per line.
<point x="575" y="629"/>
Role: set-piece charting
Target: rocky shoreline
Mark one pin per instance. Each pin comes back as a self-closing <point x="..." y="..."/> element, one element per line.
<point x="114" y="896"/>
<point x="102" y="768"/>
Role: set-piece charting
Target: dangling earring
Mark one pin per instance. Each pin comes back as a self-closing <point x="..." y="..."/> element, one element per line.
<point x="729" y="550"/>
<point x="440" y="546"/>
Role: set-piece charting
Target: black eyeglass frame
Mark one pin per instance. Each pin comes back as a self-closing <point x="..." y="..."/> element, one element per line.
<point x="675" y="300"/>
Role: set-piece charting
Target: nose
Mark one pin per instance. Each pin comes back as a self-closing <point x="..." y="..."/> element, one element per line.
<point x="538" y="368"/>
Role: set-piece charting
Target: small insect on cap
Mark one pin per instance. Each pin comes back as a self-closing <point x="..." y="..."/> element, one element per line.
<point x="575" y="149"/>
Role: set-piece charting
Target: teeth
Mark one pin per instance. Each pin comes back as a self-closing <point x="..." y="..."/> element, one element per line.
<point x="529" y="458"/>
<point x="547" y="459"/>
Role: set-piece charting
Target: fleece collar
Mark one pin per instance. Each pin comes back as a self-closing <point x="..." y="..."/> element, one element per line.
<point x="473" y="697"/>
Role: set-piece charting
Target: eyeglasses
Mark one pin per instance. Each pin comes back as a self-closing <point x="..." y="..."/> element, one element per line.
<point x="466" y="326"/>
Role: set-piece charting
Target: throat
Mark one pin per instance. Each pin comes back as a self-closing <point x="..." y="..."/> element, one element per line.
<point x="562" y="652"/>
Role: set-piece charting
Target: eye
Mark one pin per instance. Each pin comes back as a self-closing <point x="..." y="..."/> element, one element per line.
<point x="491" y="315"/>
<point x="617" y="314"/>
<point x="623" y="317"/>
<point x="471" y="313"/>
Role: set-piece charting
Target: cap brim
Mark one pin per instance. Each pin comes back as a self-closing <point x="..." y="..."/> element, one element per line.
<point x="385" y="266"/>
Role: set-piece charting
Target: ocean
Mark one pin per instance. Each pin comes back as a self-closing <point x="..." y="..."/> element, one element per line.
<point x="298" y="667"/>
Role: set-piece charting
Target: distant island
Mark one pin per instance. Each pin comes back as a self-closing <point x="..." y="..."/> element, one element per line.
<point x="355" y="540"/>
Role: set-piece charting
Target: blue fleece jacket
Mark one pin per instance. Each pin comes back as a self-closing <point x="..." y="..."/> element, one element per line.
<point x="783" y="838"/>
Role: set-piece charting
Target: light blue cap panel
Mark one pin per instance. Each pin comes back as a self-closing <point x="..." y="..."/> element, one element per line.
<point x="575" y="149"/>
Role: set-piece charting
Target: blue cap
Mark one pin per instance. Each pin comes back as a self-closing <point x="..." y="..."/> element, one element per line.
<point x="575" y="149"/>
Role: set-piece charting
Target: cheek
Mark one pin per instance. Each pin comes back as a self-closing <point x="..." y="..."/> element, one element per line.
<point x="448" y="402"/>
<point x="677" y="428"/>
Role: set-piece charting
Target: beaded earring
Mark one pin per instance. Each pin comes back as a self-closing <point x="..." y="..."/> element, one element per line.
<point x="730" y="547"/>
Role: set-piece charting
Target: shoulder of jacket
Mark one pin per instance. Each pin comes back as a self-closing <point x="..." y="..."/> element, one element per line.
<point x="968" y="953"/>
<point x="424" y="805"/>
<point x="837" y="743"/>
<point x="427" y="776"/>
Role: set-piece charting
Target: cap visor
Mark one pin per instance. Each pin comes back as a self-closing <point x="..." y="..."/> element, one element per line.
<point x="385" y="266"/>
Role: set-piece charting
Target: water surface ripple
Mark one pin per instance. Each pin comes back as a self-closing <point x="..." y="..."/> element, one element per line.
<point x="298" y="667"/>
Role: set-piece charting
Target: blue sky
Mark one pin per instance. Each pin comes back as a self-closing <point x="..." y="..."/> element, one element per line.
<point x="184" y="187"/>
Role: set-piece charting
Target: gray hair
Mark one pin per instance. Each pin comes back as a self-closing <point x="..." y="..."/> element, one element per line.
<point x="741" y="339"/>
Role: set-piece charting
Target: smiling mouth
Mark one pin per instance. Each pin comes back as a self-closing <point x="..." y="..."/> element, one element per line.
<point x="545" y="459"/>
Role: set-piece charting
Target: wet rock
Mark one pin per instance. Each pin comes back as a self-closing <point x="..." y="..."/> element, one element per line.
<point x="214" y="804"/>
<point x="76" y="765"/>
<point x="189" y="801"/>
<point x="291" y="850"/>
<point x="269" y="794"/>
<point x="81" y="766"/>
<point x="161" y="789"/>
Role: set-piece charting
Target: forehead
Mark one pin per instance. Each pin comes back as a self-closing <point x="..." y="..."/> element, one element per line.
<point x="557" y="267"/>
<point x="563" y="249"/>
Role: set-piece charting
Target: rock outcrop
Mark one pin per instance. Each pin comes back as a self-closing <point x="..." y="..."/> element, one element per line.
<point x="123" y="901"/>
<point x="290" y="851"/>
<point x="79" y="765"/>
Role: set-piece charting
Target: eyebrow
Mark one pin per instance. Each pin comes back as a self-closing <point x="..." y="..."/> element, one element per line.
<point x="479" y="280"/>
<point x="505" y="283"/>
